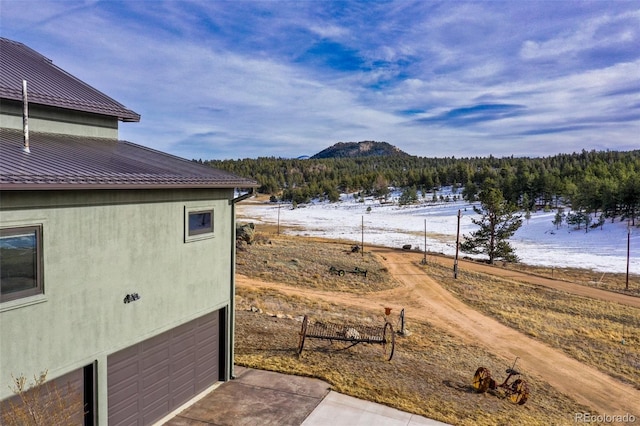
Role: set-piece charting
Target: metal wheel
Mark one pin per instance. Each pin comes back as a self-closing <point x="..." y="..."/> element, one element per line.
<point x="388" y="341"/>
<point x="303" y="334"/>
<point x="519" y="392"/>
<point x="481" y="380"/>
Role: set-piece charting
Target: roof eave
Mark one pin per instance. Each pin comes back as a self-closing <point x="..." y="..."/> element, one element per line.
<point x="122" y="114"/>
<point x="130" y="119"/>
<point x="80" y="186"/>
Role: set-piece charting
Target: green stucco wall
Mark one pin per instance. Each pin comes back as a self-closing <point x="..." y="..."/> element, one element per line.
<point x="55" y="120"/>
<point x="99" y="246"/>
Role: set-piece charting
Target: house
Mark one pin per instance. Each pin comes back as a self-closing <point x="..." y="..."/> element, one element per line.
<point x="116" y="260"/>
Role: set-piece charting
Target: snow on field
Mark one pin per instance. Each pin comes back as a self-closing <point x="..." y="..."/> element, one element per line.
<point x="537" y="242"/>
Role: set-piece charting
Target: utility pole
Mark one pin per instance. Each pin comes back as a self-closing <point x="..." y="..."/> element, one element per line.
<point x="455" y="263"/>
<point x="279" y="204"/>
<point x="626" y="287"/>
<point x="362" y="227"/>
<point x="424" y="261"/>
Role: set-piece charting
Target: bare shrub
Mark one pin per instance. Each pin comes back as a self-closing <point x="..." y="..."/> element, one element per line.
<point x="42" y="403"/>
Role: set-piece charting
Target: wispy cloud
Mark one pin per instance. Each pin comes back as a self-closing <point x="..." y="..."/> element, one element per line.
<point x="551" y="130"/>
<point x="600" y="32"/>
<point x="473" y="114"/>
<point x="233" y="79"/>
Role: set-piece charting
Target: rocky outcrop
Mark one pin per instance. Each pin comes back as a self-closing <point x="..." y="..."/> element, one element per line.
<point x="245" y="232"/>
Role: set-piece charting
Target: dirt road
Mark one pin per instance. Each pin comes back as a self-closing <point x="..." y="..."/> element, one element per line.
<point x="425" y="300"/>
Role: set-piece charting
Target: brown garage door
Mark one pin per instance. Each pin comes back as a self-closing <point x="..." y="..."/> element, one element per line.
<point x="59" y="401"/>
<point x="149" y="380"/>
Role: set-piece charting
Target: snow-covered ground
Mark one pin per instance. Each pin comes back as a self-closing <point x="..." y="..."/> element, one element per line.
<point x="537" y="242"/>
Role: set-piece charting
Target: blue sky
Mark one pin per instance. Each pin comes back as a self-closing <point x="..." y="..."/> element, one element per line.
<point x="246" y="79"/>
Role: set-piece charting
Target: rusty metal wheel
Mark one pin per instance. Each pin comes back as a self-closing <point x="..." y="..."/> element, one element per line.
<point x="519" y="392"/>
<point x="388" y="341"/>
<point x="481" y="380"/>
<point x="303" y="334"/>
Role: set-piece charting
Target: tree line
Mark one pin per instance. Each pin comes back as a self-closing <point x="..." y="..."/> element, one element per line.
<point x="604" y="182"/>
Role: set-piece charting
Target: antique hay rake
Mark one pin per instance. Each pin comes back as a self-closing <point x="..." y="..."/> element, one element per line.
<point x="351" y="334"/>
<point x="340" y="272"/>
<point x="517" y="391"/>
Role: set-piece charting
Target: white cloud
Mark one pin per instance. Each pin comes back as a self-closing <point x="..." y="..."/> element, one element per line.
<point x="598" y="32"/>
<point x="208" y="77"/>
<point x="329" y="31"/>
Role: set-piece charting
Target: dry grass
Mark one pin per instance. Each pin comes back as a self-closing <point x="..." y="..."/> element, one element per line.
<point x="304" y="262"/>
<point x="429" y="375"/>
<point x="602" y="334"/>
<point x="616" y="282"/>
<point x="431" y="370"/>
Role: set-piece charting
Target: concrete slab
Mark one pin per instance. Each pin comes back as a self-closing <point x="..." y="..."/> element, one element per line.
<point x="298" y="385"/>
<point x="257" y="397"/>
<point x="341" y="410"/>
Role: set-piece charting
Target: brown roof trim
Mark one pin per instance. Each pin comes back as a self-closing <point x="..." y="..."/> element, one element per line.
<point x="93" y="187"/>
<point x="73" y="162"/>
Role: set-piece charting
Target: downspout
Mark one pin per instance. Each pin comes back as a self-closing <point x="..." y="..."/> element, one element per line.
<point x="232" y="302"/>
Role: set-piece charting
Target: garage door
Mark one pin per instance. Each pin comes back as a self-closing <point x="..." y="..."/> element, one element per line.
<point x="59" y="401"/>
<point x="149" y="380"/>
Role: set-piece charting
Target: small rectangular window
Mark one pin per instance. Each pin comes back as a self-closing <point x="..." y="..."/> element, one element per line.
<point x="200" y="222"/>
<point x="20" y="262"/>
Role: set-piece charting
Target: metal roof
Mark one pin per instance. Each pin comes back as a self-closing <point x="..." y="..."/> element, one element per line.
<point x="49" y="85"/>
<point x="75" y="162"/>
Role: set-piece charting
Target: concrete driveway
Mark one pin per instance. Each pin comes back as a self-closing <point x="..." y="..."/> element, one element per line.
<point x="257" y="397"/>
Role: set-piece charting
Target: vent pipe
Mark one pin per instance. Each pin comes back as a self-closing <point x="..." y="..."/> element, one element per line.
<point x="25" y="117"/>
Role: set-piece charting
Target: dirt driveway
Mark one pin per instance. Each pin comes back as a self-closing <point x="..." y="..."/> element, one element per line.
<point x="425" y="300"/>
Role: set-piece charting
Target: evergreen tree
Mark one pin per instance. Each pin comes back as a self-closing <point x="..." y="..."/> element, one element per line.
<point x="587" y="222"/>
<point x="593" y="181"/>
<point x="498" y="223"/>
<point x="333" y="195"/>
<point x="469" y="191"/>
<point x="577" y="218"/>
<point x="409" y="196"/>
<point x="557" y="220"/>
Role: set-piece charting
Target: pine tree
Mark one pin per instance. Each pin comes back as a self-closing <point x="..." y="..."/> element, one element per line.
<point x="576" y="218"/>
<point x="409" y="196"/>
<point x="559" y="218"/>
<point x="498" y="223"/>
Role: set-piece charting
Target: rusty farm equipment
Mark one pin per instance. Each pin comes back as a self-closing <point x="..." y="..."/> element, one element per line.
<point x="340" y="272"/>
<point x="351" y="334"/>
<point x="517" y="391"/>
<point x="336" y="271"/>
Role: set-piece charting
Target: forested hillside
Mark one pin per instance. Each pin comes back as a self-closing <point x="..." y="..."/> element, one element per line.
<point x="606" y="182"/>
<point x="360" y="149"/>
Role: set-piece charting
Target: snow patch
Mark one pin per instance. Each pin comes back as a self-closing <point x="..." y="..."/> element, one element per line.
<point x="537" y="242"/>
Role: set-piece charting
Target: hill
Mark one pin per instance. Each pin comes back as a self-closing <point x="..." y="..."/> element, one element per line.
<point x="604" y="182"/>
<point x="360" y="149"/>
